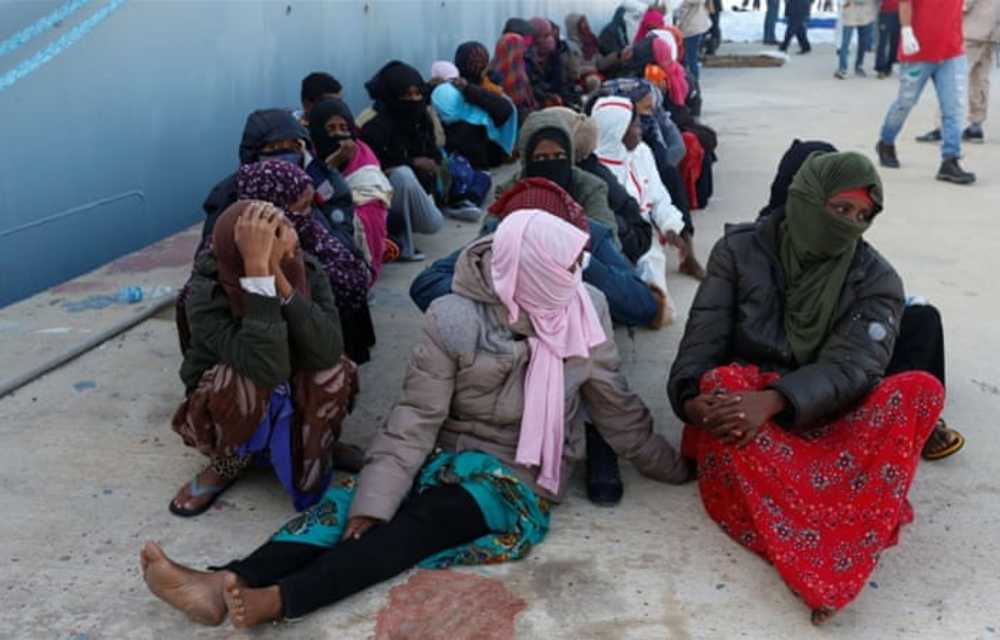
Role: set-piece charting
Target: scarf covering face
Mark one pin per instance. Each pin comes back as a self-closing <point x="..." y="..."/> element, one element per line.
<point x="281" y="184"/>
<point x="533" y="253"/>
<point x="472" y="59"/>
<point x="582" y="127"/>
<point x="651" y="21"/>
<point x="539" y="193"/>
<point x="444" y="70"/>
<point x="229" y="261"/>
<point x="387" y="87"/>
<point x="817" y="247"/>
<point x="578" y="31"/>
<point x="790" y="164"/>
<point x="508" y="61"/>
<point x="558" y="171"/>
<point x="325" y="143"/>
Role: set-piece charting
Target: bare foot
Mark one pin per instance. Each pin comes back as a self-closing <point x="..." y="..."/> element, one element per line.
<point x="198" y="594"/>
<point x="250" y="607"/>
<point x="822" y="615"/>
<point x="206" y="478"/>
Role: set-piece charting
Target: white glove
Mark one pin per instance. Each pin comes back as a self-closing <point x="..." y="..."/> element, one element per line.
<point x="910" y="45"/>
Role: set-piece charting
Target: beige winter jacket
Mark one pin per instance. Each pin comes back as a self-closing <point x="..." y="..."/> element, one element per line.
<point x="982" y="21"/>
<point x="858" y="13"/>
<point x="464" y="390"/>
<point x="692" y="18"/>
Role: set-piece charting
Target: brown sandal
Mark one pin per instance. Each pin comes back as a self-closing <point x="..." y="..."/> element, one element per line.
<point x="943" y="442"/>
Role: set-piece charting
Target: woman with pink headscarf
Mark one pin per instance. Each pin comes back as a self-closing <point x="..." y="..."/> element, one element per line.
<point x="479" y="446"/>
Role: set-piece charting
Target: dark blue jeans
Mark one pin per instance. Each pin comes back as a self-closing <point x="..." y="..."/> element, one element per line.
<point x="692" y="52"/>
<point x="888" y="42"/>
<point x="771" y="20"/>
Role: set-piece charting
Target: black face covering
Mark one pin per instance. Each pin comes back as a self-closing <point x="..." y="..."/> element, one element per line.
<point x="325" y="143"/>
<point x="558" y="171"/>
<point x="411" y="111"/>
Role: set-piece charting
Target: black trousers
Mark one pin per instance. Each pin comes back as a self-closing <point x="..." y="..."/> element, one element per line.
<point x="311" y="577"/>
<point x="920" y="345"/>
<point x="797" y="27"/>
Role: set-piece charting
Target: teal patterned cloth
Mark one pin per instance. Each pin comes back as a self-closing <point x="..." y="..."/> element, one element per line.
<point x="517" y="518"/>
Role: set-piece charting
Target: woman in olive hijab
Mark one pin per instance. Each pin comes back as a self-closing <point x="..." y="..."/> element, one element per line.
<point x="805" y="448"/>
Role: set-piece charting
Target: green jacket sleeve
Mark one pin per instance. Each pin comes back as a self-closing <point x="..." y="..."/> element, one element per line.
<point x="592" y="195"/>
<point x="255" y="346"/>
<point x="314" y="332"/>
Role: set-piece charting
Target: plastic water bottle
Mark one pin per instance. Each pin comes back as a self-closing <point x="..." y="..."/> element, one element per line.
<point x="132" y="295"/>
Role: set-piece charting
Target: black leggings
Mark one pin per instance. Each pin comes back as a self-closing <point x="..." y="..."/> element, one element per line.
<point x="920" y="345"/>
<point x="311" y="577"/>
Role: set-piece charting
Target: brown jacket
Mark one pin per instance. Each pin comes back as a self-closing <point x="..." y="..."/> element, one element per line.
<point x="464" y="390"/>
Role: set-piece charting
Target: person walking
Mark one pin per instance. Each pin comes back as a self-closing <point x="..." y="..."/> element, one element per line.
<point x="797" y="15"/>
<point x="888" y="38"/>
<point x="932" y="49"/>
<point x="692" y="18"/>
<point x="981" y="27"/>
<point x="856" y="15"/>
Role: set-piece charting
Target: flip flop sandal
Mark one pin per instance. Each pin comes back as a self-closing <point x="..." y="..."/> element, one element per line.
<point x="943" y="442"/>
<point x="197" y="490"/>
<point x="391" y="252"/>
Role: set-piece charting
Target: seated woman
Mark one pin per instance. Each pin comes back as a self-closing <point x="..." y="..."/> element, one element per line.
<point x="664" y="139"/>
<point x="545" y="68"/>
<point x="920" y="344"/>
<point x="402" y="136"/>
<point x="805" y="451"/>
<point x="335" y="136"/>
<point x="622" y="151"/>
<point x="546" y="147"/>
<point x="275" y="134"/>
<point x="630" y="302"/>
<point x="634" y="232"/>
<point x="479" y="124"/>
<point x="510" y="69"/>
<point x="481" y="443"/>
<point x="287" y="187"/>
<point x="265" y="373"/>
<point x="583" y="46"/>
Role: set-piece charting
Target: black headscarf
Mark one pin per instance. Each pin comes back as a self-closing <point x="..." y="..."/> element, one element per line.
<point x="520" y="26"/>
<point x="325" y="143"/>
<point x="790" y="164"/>
<point x="387" y="87"/>
<point x="472" y="58"/>
<point x="265" y="126"/>
<point x="558" y="171"/>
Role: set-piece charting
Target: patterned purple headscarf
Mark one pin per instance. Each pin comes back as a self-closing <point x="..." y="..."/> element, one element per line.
<point x="282" y="184"/>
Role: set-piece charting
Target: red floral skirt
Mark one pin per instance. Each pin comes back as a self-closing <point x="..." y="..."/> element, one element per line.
<point x="819" y="505"/>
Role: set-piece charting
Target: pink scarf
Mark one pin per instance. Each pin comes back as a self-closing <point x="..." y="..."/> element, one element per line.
<point x="531" y="272"/>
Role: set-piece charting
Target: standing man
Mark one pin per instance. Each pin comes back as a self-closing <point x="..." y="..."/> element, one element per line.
<point x="931" y="49"/>
<point x="982" y="35"/>
<point x="797" y="19"/>
<point x="888" y="38"/>
<point x="771" y="21"/>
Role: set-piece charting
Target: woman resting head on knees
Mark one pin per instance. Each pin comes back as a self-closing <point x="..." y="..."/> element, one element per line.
<point x="780" y="381"/>
<point x="621" y="150"/>
<point x="265" y="373"/>
<point x="480" y="123"/>
<point x="288" y="187"/>
<point x="920" y="344"/>
<point x="469" y="461"/>
<point x="402" y="136"/>
<point x="335" y="136"/>
<point x="510" y="66"/>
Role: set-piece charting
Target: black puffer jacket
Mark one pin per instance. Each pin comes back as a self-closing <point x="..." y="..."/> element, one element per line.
<point x="738" y="316"/>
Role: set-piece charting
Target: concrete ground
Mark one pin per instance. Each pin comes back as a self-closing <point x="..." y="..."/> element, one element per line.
<point x="89" y="463"/>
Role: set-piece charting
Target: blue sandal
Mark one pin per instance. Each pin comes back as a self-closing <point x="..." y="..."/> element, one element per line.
<point x="197" y="490"/>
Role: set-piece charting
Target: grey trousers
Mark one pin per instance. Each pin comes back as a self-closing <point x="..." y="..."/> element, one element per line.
<point x="412" y="210"/>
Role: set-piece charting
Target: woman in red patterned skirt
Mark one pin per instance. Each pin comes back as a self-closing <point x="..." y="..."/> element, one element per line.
<point x="805" y="451"/>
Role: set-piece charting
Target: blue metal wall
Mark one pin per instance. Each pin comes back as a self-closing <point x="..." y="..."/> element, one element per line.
<point x="117" y="119"/>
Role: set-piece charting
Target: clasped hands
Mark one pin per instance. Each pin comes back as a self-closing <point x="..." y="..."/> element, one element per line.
<point x="735" y="418"/>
